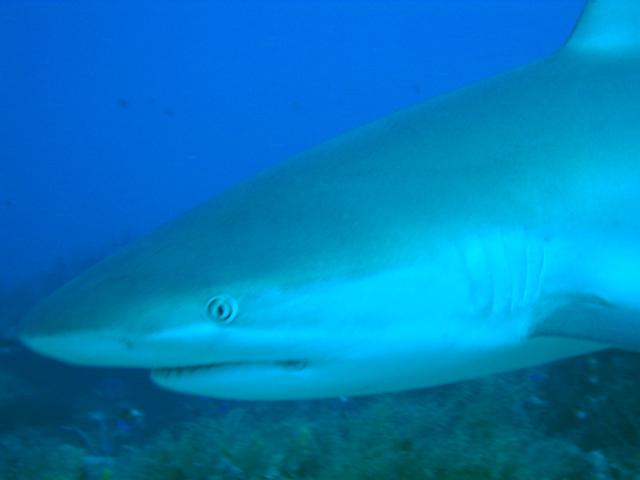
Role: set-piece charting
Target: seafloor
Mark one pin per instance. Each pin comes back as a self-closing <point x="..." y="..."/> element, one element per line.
<point x="574" y="420"/>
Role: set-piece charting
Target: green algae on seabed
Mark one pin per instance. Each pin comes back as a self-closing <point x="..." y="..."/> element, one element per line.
<point x="470" y="431"/>
<point x="563" y="422"/>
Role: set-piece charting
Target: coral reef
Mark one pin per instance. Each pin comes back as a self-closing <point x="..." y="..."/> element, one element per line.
<point x="575" y="420"/>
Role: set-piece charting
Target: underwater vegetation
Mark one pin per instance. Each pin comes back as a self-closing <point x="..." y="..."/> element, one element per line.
<point x="575" y="420"/>
<point x="440" y="434"/>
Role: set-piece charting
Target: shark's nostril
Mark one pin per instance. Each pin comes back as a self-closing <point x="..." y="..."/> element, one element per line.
<point x="293" y="364"/>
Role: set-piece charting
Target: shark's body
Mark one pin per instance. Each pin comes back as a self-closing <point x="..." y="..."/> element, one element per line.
<point x="490" y="229"/>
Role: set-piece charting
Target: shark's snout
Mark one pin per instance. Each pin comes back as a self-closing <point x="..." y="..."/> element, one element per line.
<point x="85" y="349"/>
<point x="90" y="330"/>
<point x="176" y="348"/>
<point x="71" y="326"/>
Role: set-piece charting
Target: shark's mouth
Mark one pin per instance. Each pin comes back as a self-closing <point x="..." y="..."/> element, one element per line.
<point x="172" y="372"/>
<point x="242" y="380"/>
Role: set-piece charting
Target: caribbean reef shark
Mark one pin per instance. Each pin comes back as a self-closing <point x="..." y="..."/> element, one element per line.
<point x="493" y="228"/>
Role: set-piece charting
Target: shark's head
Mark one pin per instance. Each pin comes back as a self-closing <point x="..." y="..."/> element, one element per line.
<point x="231" y="300"/>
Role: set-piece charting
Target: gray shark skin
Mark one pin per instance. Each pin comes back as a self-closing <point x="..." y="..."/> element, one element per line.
<point x="490" y="229"/>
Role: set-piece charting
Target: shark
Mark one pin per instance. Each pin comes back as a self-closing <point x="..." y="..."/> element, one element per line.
<point x="493" y="228"/>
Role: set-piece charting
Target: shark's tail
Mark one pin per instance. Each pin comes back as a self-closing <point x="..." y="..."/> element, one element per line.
<point x="608" y="26"/>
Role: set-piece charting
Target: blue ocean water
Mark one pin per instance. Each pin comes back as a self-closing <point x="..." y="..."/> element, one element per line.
<point x="118" y="116"/>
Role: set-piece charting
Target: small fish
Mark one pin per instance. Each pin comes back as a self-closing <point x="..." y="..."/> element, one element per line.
<point x="123" y="103"/>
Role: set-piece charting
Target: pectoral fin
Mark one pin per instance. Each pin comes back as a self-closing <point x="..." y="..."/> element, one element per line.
<point x="594" y="319"/>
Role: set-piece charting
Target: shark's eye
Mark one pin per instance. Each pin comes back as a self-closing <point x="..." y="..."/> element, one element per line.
<point x="222" y="309"/>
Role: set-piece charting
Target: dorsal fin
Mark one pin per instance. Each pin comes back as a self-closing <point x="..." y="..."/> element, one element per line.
<point x="608" y="26"/>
